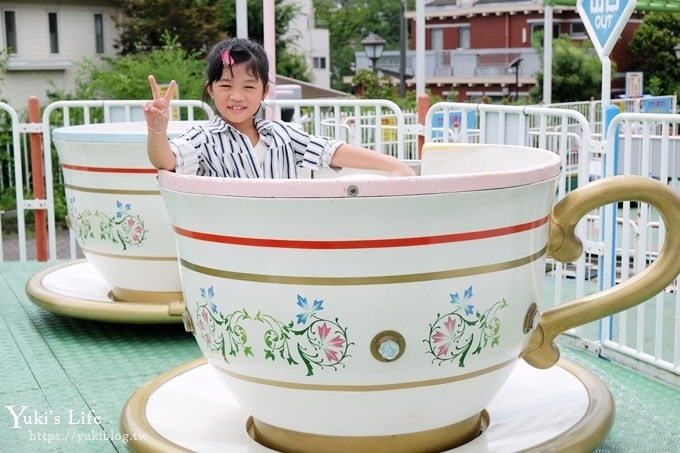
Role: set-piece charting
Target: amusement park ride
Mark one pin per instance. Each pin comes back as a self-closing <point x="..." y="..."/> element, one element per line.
<point x="348" y="311"/>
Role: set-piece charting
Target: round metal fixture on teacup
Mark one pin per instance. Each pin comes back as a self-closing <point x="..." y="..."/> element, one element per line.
<point x="388" y="346"/>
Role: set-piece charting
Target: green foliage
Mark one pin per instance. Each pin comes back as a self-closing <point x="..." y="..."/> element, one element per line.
<point x="125" y="77"/>
<point x="4" y="57"/>
<point x="197" y="25"/>
<point x="380" y="86"/>
<point x="655" y="86"/>
<point x="144" y="23"/>
<point x="292" y="65"/>
<point x="576" y="72"/>
<point x="651" y="51"/>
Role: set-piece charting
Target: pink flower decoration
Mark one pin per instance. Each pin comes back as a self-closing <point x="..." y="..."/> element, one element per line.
<point x="227" y="59"/>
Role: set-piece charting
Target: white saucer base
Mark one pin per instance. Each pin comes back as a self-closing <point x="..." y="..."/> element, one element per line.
<point x="563" y="408"/>
<point x="78" y="290"/>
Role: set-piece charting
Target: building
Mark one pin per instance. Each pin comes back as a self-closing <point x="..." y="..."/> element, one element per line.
<point x="312" y="43"/>
<point x="484" y="48"/>
<point x="46" y="39"/>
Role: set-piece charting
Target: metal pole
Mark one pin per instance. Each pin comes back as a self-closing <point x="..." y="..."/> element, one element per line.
<point x="402" y="49"/>
<point x="37" y="178"/>
<point x="241" y="19"/>
<point x="420" y="47"/>
<point x="547" y="54"/>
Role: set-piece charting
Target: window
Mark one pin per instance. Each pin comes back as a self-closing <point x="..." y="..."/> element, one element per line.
<point x="464" y="37"/>
<point x="578" y="29"/>
<point x="319" y="62"/>
<point x="11" y="32"/>
<point x="539" y="27"/>
<point x="54" y="32"/>
<point x="437" y="39"/>
<point x="99" y="33"/>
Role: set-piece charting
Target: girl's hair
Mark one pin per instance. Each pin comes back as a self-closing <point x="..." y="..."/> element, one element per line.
<point x="238" y="50"/>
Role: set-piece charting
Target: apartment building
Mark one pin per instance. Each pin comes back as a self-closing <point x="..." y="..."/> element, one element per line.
<point x="484" y="48"/>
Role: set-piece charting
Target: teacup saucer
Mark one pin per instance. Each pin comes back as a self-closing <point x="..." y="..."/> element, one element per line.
<point x="77" y="289"/>
<point x="564" y="408"/>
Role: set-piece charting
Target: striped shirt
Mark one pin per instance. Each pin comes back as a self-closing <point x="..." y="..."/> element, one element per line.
<point x="216" y="148"/>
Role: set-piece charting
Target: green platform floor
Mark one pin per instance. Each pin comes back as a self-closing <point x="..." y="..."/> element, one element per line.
<point x="60" y="368"/>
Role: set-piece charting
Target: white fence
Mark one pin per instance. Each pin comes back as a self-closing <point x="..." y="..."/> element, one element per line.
<point x="647" y="337"/>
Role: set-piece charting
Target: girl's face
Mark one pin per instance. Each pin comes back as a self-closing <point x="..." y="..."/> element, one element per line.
<point x="237" y="96"/>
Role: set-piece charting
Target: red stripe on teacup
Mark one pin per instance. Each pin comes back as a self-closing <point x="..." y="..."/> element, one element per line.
<point x="109" y="169"/>
<point x="360" y="243"/>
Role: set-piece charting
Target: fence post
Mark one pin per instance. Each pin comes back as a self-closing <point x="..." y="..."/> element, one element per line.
<point x="423" y="107"/>
<point x="38" y="181"/>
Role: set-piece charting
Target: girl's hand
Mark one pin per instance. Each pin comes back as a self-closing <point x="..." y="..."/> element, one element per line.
<point x="156" y="112"/>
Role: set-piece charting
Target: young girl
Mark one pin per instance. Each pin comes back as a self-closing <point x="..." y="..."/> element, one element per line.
<point x="236" y="144"/>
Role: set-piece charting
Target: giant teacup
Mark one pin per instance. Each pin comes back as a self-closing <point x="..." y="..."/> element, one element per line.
<point x="383" y="314"/>
<point x="116" y="211"/>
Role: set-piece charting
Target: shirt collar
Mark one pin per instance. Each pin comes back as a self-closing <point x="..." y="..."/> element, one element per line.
<point x="218" y="125"/>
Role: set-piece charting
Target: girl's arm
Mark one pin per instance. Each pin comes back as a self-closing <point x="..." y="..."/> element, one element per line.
<point x="357" y="157"/>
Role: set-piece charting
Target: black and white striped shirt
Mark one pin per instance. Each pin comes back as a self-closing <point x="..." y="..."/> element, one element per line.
<point x="216" y="148"/>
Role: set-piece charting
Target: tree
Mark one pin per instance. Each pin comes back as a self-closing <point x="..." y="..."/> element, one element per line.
<point x="143" y="23"/>
<point x="576" y="71"/>
<point x="651" y="51"/>
<point x="125" y="77"/>
<point x="198" y="24"/>
<point x="4" y="57"/>
<point x="350" y="21"/>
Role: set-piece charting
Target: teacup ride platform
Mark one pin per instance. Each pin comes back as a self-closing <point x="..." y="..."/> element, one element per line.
<point x="561" y="409"/>
<point x="76" y="289"/>
<point x="130" y="274"/>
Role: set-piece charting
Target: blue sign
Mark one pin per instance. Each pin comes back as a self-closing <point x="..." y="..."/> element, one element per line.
<point x="604" y="21"/>
<point x="658" y="105"/>
<point x="455" y="120"/>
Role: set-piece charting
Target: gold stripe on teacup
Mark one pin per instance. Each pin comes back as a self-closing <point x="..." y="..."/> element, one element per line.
<point x="372" y="280"/>
<point x="367" y="388"/>
<point x="111" y="191"/>
<point x="129" y="257"/>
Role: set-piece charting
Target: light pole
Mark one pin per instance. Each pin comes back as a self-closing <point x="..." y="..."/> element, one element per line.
<point x="677" y="51"/>
<point x="373" y="46"/>
<point x="515" y="65"/>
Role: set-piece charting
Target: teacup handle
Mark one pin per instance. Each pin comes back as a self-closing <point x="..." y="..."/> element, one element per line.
<point x="564" y="246"/>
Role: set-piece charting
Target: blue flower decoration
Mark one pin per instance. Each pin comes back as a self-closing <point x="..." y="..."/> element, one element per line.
<point x="308" y="311"/>
<point x="123" y="208"/>
<point x="467" y="295"/>
<point x="208" y="293"/>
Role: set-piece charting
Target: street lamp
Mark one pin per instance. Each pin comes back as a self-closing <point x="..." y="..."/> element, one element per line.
<point x="515" y="65"/>
<point x="373" y="46"/>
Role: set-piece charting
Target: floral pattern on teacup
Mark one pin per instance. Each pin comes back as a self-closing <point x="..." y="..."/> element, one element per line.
<point x="122" y="228"/>
<point x="318" y="342"/>
<point x="464" y="330"/>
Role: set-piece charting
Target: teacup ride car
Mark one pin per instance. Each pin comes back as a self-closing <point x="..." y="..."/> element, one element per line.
<point x="130" y="272"/>
<point x="367" y="313"/>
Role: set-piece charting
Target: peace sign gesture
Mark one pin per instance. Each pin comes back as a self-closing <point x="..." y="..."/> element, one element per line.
<point x="156" y="111"/>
